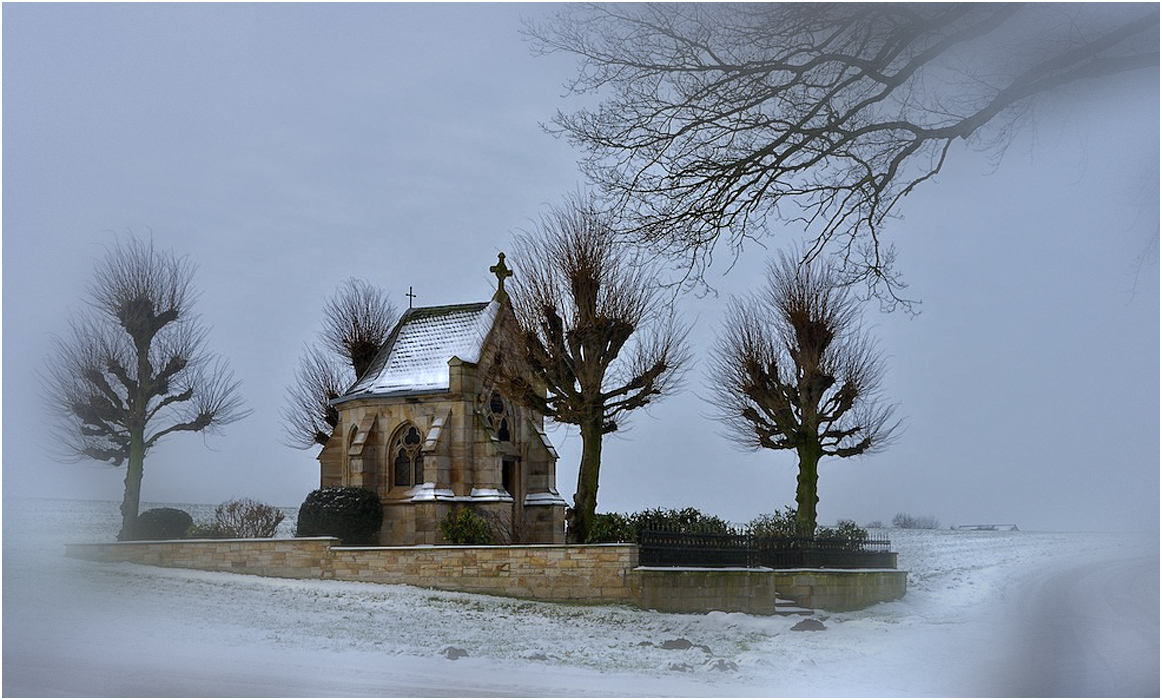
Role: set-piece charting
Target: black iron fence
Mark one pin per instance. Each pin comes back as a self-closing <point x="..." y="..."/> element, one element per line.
<point x="741" y="549"/>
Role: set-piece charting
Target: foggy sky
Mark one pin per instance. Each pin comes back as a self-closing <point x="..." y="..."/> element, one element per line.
<point x="285" y="148"/>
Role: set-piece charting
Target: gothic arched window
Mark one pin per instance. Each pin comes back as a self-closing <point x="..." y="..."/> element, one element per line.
<point x="497" y="416"/>
<point x="406" y="458"/>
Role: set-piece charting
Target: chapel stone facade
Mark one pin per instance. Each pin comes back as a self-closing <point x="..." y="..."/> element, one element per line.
<point x="426" y="431"/>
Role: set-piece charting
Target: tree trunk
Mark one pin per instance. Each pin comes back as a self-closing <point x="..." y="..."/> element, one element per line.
<point x="131" y="503"/>
<point x="585" y="500"/>
<point x="807" y="491"/>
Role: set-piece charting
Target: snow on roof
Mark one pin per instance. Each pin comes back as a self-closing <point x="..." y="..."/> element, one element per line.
<point x="415" y="357"/>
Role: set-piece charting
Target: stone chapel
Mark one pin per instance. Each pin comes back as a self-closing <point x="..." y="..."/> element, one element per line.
<point x="424" y="429"/>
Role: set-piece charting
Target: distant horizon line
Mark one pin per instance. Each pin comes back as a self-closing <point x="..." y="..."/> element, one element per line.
<point x="950" y="528"/>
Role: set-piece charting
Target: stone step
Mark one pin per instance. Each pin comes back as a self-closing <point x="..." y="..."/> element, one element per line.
<point x="793" y="610"/>
<point x="790" y="607"/>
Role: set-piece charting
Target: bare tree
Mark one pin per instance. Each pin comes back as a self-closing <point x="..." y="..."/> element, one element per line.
<point x="593" y="340"/>
<point x="135" y="368"/>
<point x="793" y="371"/>
<point x="357" y="320"/>
<point x="720" y="116"/>
<point x="308" y="416"/>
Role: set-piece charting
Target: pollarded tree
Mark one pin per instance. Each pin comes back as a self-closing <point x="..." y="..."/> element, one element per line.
<point x="357" y="320"/>
<point x="308" y="416"/>
<point x="793" y="371"/>
<point x="718" y="116"/>
<point x="592" y="340"/>
<point x="135" y="368"/>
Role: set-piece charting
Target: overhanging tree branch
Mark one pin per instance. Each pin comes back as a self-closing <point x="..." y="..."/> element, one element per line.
<point x="718" y="118"/>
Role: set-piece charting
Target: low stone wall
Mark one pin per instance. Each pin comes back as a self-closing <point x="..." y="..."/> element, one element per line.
<point x="607" y="573"/>
<point x="754" y="590"/>
<point x="703" y="590"/>
<point x="601" y="573"/>
<point x="840" y="589"/>
<point x="308" y="557"/>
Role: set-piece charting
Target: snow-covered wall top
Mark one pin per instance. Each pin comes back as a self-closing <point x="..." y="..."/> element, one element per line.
<point x="416" y="356"/>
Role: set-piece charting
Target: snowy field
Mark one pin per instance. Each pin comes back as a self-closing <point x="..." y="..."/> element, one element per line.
<point x="987" y="614"/>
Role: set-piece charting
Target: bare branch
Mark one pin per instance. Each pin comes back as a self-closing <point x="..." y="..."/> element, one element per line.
<point x="356" y="322"/>
<point x="718" y="118"/>
<point x="309" y="418"/>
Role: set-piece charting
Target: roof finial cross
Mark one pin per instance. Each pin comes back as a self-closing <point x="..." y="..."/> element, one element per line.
<point x="501" y="271"/>
<point x="410" y="296"/>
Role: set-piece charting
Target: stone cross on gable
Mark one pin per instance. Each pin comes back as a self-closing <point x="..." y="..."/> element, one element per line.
<point x="501" y="271"/>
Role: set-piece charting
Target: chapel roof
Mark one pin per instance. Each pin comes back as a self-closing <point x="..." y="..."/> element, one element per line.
<point x="415" y="357"/>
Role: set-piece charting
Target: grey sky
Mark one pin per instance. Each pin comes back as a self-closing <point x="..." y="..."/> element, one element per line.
<point x="285" y="148"/>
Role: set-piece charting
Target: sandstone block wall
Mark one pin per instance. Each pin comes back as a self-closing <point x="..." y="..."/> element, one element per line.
<point x="560" y="573"/>
<point x="704" y="590"/>
<point x="298" y="558"/>
<point x="840" y="589"/>
<point x="590" y="573"/>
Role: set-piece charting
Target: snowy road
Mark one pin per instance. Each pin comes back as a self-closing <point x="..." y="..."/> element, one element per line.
<point x="1087" y="631"/>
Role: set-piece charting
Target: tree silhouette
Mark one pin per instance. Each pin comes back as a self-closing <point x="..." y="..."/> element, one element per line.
<point x="135" y="369"/>
<point x="357" y="320"/>
<point x="592" y="340"/>
<point x="793" y="371"/>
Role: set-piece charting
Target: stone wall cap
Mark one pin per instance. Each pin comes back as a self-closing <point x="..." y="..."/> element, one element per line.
<point x="842" y="571"/>
<point x="211" y="539"/>
<point x="417" y="547"/>
<point x="763" y="569"/>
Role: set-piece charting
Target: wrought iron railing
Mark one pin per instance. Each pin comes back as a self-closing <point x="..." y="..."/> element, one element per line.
<point x="741" y="549"/>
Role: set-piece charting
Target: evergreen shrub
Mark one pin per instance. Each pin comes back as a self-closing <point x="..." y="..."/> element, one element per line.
<point x="777" y="524"/>
<point x="465" y="526"/>
<point x="352" y="514"/>
<point x="853" y="536"/>
<point x="616" y="527"/>
<point x="782" y="524"/>
<point x="686" y="520"/>
<point x="612" y="527"/>
<point x="161" y="524"/>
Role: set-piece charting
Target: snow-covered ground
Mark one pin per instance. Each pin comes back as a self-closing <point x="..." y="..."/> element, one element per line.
<point x="987" y="613"/>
